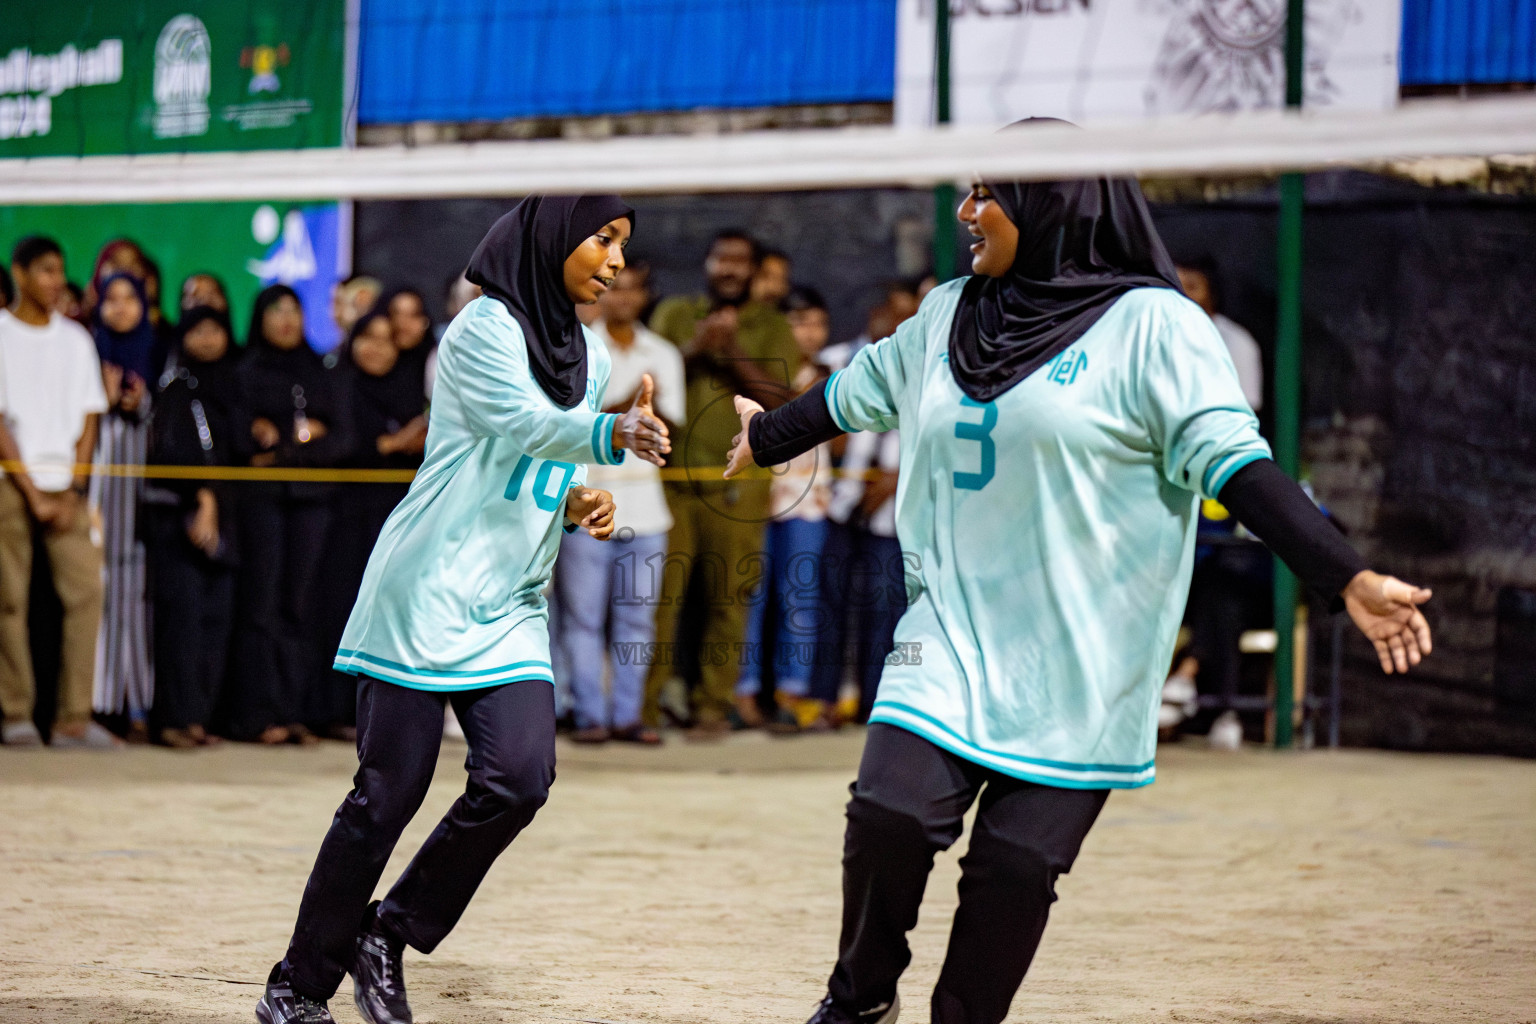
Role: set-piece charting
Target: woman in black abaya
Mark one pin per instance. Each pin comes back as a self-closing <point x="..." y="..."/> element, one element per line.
<point x="386" y="399"/>
<point x="198" y="421"/>
<point x="300" y="418"/>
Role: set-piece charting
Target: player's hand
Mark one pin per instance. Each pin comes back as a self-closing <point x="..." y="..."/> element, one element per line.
<point x="592" y="510"/>
<point x="641" y="430"/>
<point x="1387" y="611"/>
<point x="740" y="456"/>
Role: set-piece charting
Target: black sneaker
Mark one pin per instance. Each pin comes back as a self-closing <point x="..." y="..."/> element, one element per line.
<point x="280" y="1004"/>
<point x="828" y="1012"/>
<point x="378" y="976"/>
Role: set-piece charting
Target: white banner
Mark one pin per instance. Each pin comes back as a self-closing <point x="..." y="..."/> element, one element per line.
<point x="1084" y="60"/>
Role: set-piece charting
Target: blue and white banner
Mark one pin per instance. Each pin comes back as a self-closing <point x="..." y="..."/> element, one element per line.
<point x="304" y="251"/>
<point x="1087" y="60"/>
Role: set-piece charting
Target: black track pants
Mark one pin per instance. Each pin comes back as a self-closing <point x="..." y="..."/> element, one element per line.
<point x="908" y="804"/>
<point x="511" y="765"/>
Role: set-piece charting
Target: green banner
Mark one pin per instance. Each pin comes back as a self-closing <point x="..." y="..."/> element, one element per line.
<point x="171" y="76"/>
<point x="246" y="245"/>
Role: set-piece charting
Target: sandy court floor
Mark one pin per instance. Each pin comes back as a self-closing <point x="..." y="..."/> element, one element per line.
<point x="701" y="885"/>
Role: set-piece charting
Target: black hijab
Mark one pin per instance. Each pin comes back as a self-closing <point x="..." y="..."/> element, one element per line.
<point x="219" y="372"/>
<point x="521" y="264"/>
<point x="176" y="437"/>
<point x="1082" y="244"/>
<point x="383" y="404"/>
<point x="269" y="374"/>
<point x="413" y="361"/>
<point x="256" y="341"/>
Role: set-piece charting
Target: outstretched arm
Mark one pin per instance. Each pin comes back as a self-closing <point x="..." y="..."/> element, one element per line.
<point x="1280" y="514"/>
<point x="771" y="438"/>
<point x="498" y="397"/>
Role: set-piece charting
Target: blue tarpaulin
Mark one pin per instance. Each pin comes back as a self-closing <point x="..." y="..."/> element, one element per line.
<point x="1451" y="42"/>
<point x="469" y="60"/>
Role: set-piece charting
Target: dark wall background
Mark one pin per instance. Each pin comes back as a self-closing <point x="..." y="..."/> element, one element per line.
<point x="845" y="243"/>
<point x="1419" y="392"/>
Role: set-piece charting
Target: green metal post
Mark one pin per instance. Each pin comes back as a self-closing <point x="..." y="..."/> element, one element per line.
<point x="1288" y="374"/>
<point x="944" y="194"/>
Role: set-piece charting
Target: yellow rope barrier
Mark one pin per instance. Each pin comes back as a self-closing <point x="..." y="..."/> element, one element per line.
<point x="290" y="474"/>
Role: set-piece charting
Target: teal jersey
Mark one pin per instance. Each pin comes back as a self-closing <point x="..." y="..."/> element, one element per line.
<point x="1049" y="534"/>
<point x="453" y="597"/>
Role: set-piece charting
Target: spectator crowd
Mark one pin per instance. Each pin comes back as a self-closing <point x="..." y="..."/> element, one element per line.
<point x="173" y="483"/>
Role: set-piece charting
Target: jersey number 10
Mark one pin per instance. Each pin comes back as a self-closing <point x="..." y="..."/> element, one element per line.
<point x="981" y="433"/>
<point x="542" y="496"/>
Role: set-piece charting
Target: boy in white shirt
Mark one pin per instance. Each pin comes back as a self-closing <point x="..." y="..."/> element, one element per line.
<point x="50" y="397"/>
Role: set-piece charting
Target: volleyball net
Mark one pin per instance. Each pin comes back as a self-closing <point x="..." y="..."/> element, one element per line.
<point x="1259" y="142"/>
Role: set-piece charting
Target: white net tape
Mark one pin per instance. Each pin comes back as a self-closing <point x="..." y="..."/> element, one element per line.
<point x="1260" y="142"/>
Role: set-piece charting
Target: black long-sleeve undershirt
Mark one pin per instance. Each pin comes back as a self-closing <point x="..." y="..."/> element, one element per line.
<point x="795" y="427"/>
<point x="1265" y="500"/>
<point x="1278" y="512"/>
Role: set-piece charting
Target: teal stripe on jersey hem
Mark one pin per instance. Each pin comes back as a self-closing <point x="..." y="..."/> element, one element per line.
<point x="384" y="675"/>
<point x="1069" y="766"/>
<point x="345" y="654"/>
<point x="966" y="753"/>
<point x="1214" y="485"/>
<point x="829" y="394"/>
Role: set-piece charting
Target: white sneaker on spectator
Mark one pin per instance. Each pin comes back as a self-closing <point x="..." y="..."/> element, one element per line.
<point x="1226" y="732"/>
<point x="20" y="734"/>
<point x="452" y="730"/>
<point x="1180" y="701"/>
<point x="93" y="738"/>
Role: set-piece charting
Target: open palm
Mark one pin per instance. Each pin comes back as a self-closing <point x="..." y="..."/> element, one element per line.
<point x="740" y="455"/>
<point x="1387" y="611"/>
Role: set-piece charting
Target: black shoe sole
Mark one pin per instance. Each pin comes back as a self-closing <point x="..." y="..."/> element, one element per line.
<point x="362" y="1009"/>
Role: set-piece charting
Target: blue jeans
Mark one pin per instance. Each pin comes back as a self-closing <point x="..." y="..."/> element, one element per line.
<point x="863" y="595"/>
<point x="608" y="587"/>
<point x="790" y="579"/>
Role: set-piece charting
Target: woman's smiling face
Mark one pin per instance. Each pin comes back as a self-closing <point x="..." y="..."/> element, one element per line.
<point x="121" y="310"/>
<point x="206" y="342"/>
<point x="591" y="269"/>
<point x="282" y="323"/>
<point x="373" y="349"/>
<point x="997" y="237"/>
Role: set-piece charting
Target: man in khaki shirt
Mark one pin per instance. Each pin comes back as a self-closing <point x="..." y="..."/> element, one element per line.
<point x="731" y="345"/>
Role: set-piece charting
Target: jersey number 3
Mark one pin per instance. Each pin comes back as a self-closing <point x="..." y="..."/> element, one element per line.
<point x="982" y="434"/>
<point x="542" y="496"/>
